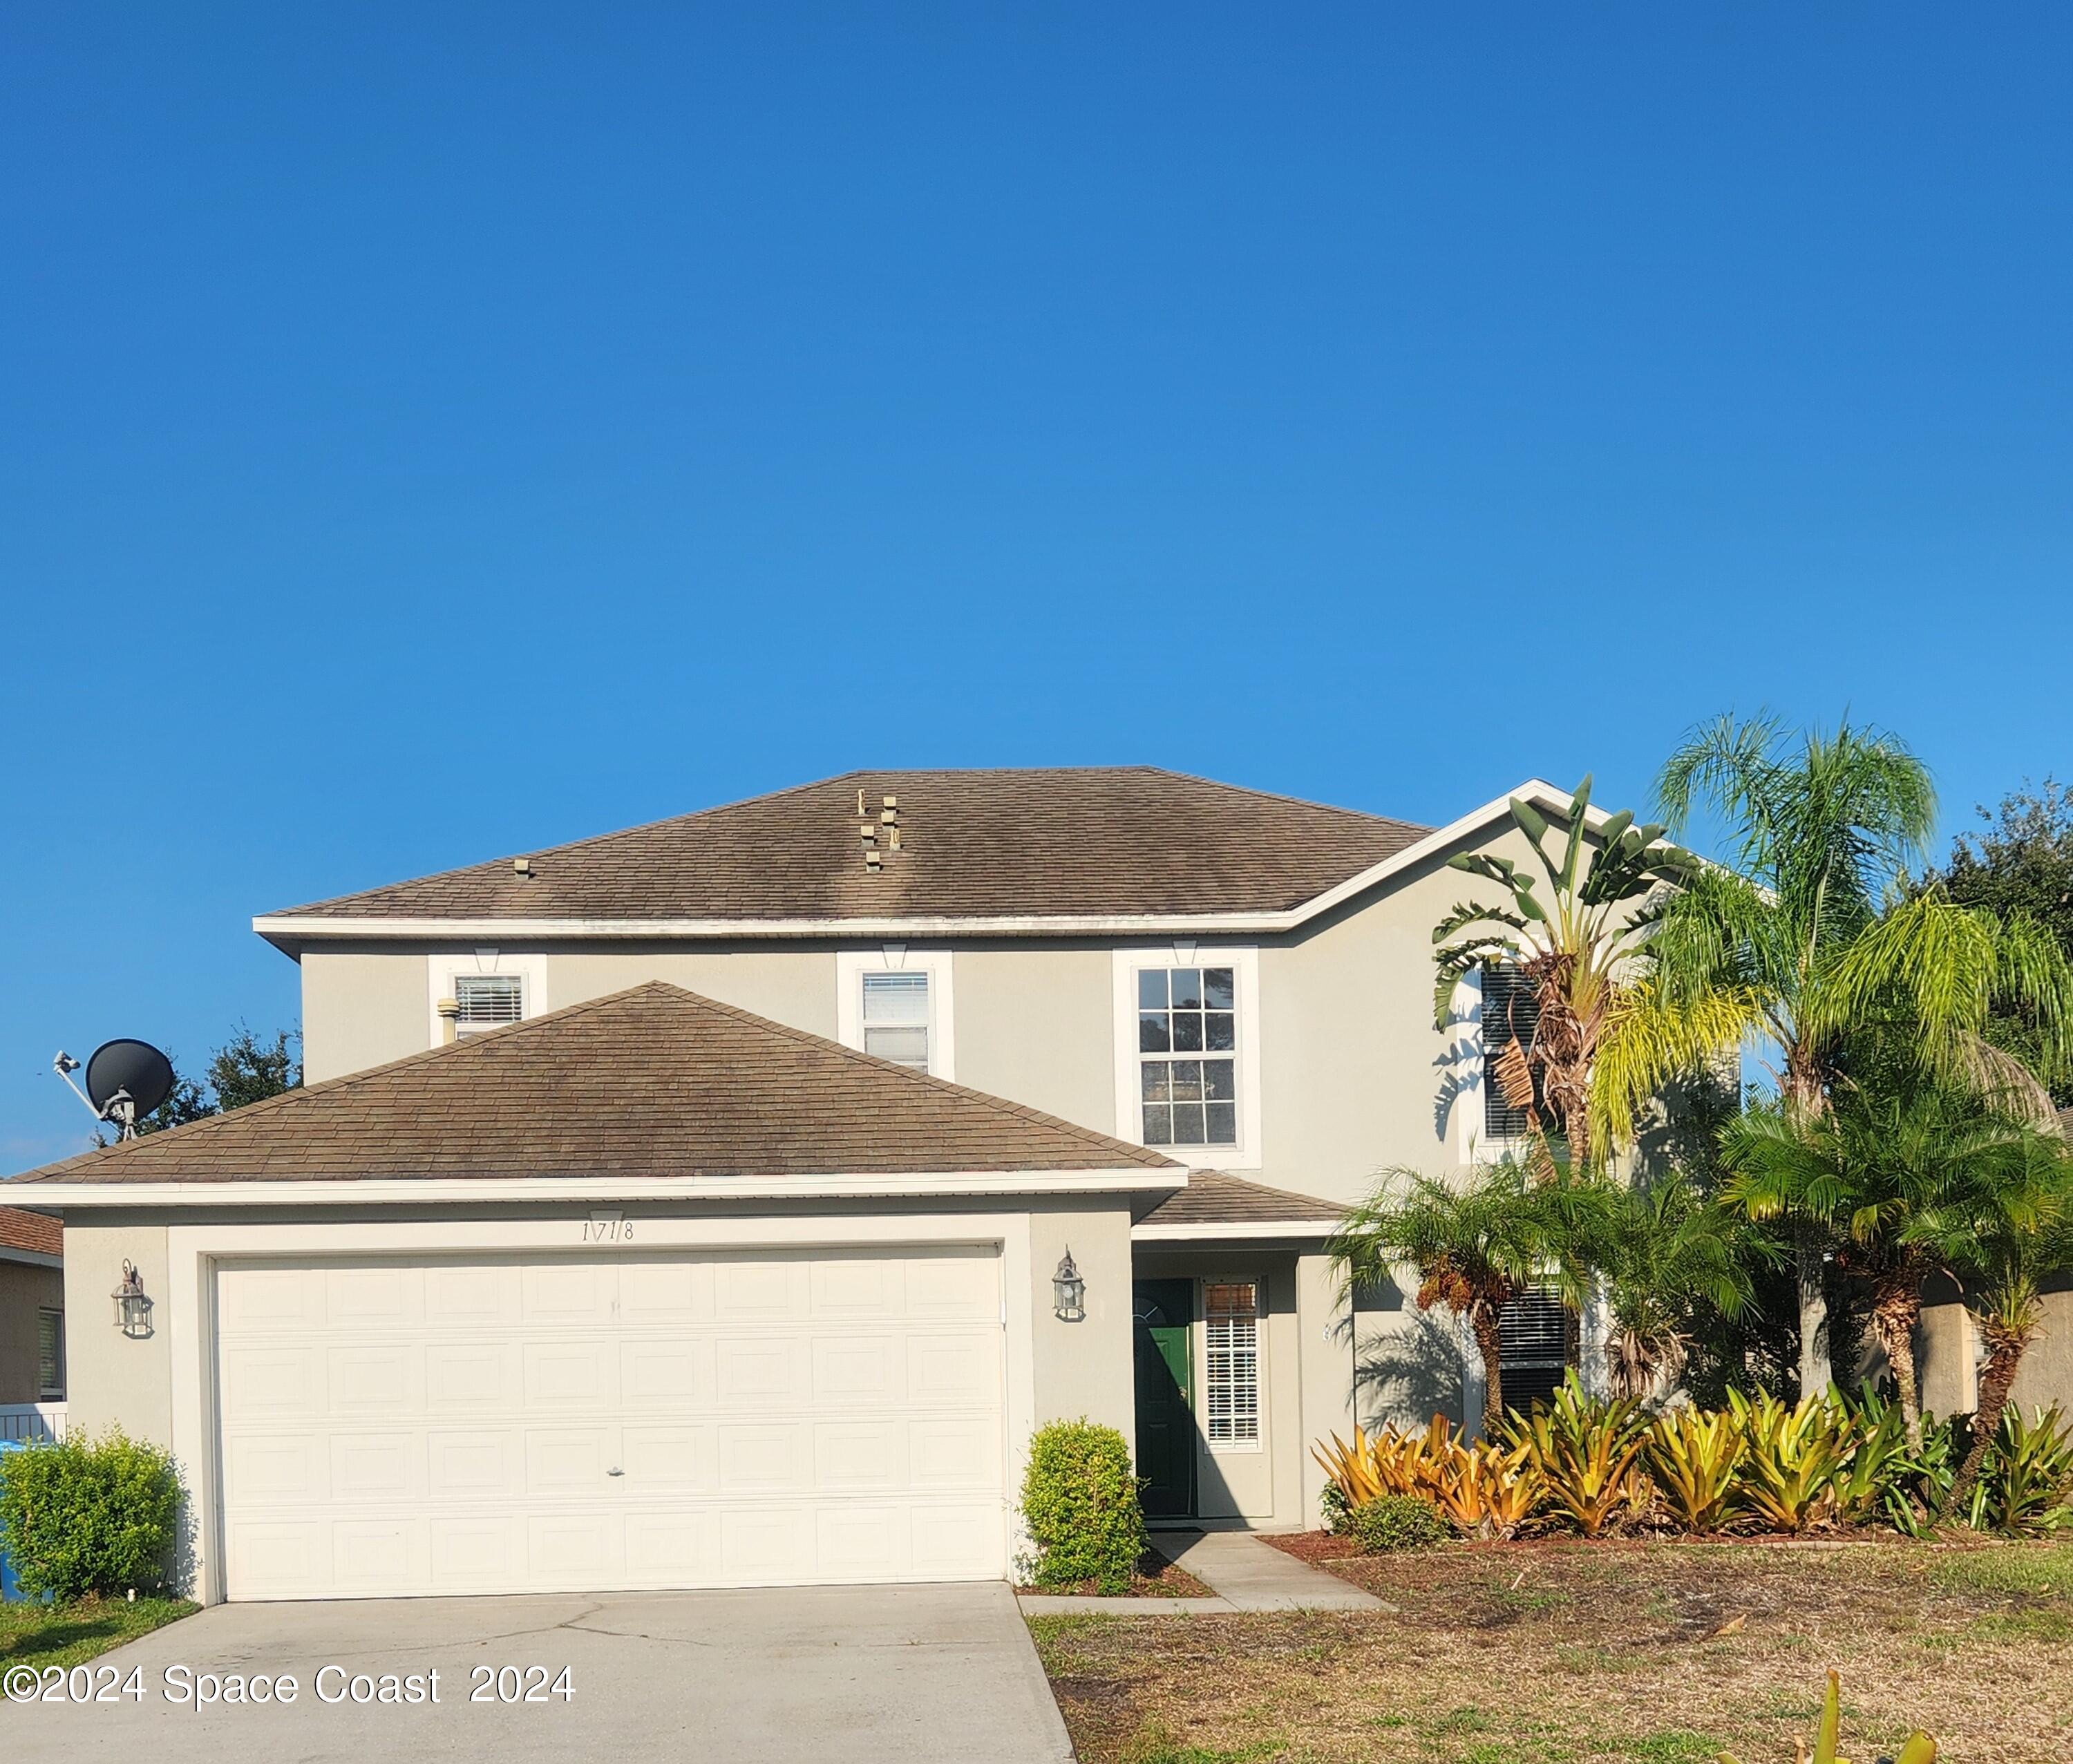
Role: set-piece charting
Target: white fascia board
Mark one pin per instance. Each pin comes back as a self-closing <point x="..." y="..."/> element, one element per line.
<point x="1231" y="1230"/>
<point x="435" y="1191"/>
<point x="289" y="930"/>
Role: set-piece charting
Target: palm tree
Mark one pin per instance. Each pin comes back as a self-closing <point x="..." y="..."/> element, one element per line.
<point x="1666" y="1256"/>
<point x="1885" y="1168"/>
<point x="1579" y="949"/>
<point x="1477" y="1246"/>
<point x="2004" y="1242"/>
<point x="1812" y="939"/>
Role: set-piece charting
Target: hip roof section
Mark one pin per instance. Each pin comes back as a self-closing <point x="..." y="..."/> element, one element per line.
<point x="1066" y="842"/>
<point x="654" y="1081"/>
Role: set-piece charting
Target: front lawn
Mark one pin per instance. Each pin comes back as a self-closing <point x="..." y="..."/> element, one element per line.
<point x="1568" y="1653"/>
<point x="41" y="1635"/>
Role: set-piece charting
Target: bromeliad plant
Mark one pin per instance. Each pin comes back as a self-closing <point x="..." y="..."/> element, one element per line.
<point x="1585" y="1454"/>
<point x="1919" y="1750"/>
<point x="1696" y="1458"/>
<point x="1794" y="1457"/>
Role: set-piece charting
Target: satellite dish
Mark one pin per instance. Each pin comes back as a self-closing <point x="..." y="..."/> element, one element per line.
<point x="125" y="1080"/>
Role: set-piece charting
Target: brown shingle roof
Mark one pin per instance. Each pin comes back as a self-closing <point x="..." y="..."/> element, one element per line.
<point x="30" y="1231"/>
<point x="1117" y="841"/>
<point x="652" y="1081"/>
<point x="1212" y="1198"/>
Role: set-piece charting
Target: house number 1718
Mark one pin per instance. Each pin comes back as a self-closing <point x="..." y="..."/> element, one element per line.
<point x="607" y="1231"/>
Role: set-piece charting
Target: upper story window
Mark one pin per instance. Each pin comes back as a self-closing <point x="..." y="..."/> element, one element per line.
<point x="895" y="1018"/>
<point x="49" y="1356"/>
<point x="896" y="1004"/>
<point x="1187" y="1045"/>
<point x="1509" y="1014"/>
<point x="1231" y="1347"/>
<point x="1187" y="1052"/>
<point x="487" y="1001"/>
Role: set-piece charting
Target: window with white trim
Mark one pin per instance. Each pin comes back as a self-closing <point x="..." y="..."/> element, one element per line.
<point x="1187" y="1046"/>
<point x="895" y="1017"/>
<point x="487" y="1001"/>
<point x="49" y="1356"/>
<point x="1231" y="1347"/>
<point x="1510" y="1013"/>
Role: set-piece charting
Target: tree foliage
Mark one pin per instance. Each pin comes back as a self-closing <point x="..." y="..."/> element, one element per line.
<point x="2021" y="865"/>
<point x="244" y="1071"/>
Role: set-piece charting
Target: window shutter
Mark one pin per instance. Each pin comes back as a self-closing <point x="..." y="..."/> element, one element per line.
<point x="1509" y="1015"/>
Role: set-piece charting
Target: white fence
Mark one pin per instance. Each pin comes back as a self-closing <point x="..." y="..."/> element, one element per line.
<point x="32" y="1421"/>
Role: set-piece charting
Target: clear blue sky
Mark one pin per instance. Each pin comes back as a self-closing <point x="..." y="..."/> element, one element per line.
<point x="430" y="432"/>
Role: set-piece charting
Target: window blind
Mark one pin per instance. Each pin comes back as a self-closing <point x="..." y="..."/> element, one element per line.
<point x="896" y="1019"/>
<point x="49" y="1356"/>
<point x="1230" y="1333"/>
<point x="1533" y="1347"/>
<point x="487" y="1001"/>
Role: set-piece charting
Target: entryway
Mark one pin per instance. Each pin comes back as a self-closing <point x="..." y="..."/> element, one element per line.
<point x="1162" y="1314"/>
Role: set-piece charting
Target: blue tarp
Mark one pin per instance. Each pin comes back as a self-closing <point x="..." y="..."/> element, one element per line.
<point x="8" y="1589"/>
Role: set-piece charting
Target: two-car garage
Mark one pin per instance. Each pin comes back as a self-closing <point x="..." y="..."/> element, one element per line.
<point x="415" y="1425"/>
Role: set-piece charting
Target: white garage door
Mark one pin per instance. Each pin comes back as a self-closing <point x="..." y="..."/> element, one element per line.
<point x="520" y="1424"/>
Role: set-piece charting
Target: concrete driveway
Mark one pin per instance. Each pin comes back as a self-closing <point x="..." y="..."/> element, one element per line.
<point x="861" y="1674"/>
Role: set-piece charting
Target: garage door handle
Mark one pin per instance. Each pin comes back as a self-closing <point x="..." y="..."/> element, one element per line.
<point x="615" y="1471"/>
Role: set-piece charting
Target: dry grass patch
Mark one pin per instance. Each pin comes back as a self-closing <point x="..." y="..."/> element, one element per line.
<point x="1564" y="1653"/>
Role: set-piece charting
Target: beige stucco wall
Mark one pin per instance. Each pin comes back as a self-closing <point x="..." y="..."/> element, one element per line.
<point x="1083" y="1368"/>
<point x="362" y="1008"/>
<point x="1033" y="1025"/>
<point x="27" y="1290"/>
<point x="113" y="1380"/>
<point x="788" y="982"/>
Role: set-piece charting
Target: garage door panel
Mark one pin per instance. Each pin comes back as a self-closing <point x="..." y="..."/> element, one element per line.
<point x="564" y="1292"/>
<point x="761" y="1372"/>
<point x="661" y="1459"/>
<point x="485" y="1464"/>
<point x="662" y="1373"/>
<point x="477" y="1553"/>
<point x="470" y="1295"/>
<point x="473" y="1376"/>
<point x="375" y="1466"/>
<point x="452" y="1426"/>
<point x="953" y="1371"/>
<point x="582" y="1373"/>
<point x="372" y="1298"/>
<point x="860" y="1457"/>
<point x="265" y="1469"/>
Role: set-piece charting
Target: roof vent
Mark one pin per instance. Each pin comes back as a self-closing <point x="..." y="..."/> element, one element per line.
<point x="522" y="867"/>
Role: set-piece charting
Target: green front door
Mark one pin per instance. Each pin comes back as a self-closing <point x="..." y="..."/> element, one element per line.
<point x="1161" y="1312"/>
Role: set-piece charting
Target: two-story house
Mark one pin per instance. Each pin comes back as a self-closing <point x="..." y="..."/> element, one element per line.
<point x="722" y="1201"/>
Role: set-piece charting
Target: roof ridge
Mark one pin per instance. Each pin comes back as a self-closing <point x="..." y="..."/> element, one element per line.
<point x="1293" y="802"/>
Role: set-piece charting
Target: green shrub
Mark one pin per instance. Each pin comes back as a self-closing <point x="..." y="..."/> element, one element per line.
<point x="89" y="1516"/>
<point x="1079" y="1500"/>
<point x="1397" y="1522"/>
<point x="1332" y="1507"/>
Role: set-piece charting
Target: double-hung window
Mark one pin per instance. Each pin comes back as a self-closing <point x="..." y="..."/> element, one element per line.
<point x="1187" y="1047"/>
<point x="1509" y="1015"/>
<point x="487" y="1001"/>
<point x="896" y="1017"/>
<point x="1533" y="1347"/>
<point x="49" y="1356"/>
<point x="1231" y="1349"/>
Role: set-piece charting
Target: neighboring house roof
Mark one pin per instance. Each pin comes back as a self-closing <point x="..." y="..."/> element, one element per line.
<point x="654" y="1081"/>
<point x="1216" y="1204"/>
<point x="1070" y="844"/>
<point x="31" y="1232"/>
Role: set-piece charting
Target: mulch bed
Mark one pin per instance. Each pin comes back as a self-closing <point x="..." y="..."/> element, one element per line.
<point x="1156" y="1578"/>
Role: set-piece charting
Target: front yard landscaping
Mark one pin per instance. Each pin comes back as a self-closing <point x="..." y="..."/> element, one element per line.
<point x="41" y="1635"/>
<point x="1565" y="1652"/>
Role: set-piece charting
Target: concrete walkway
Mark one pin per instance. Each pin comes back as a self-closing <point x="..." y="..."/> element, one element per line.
<point x="867" y="1675"/>
<point x="1252" y="1575"/>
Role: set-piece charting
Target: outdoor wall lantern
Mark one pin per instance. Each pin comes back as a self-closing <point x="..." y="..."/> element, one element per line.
<point x="133" y="1309"/>
<point x="1069" y="1292"/>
